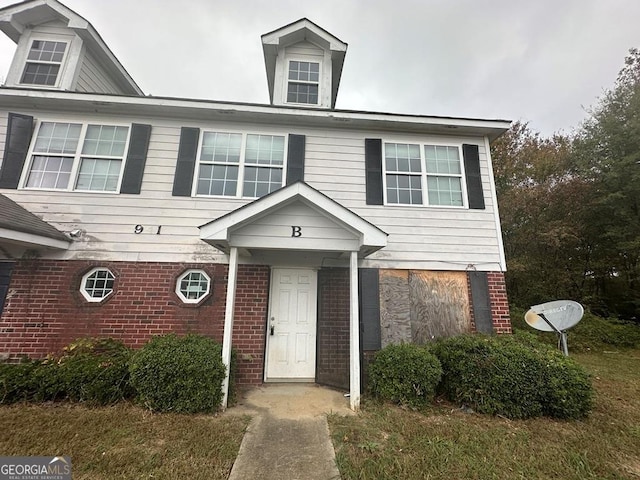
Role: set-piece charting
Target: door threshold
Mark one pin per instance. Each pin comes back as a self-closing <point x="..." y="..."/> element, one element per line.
<point x="290" y="380"/>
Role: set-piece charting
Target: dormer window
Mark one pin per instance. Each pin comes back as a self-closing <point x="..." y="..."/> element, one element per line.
<point x="304" y="81"/>
<point x="43" y="62"/>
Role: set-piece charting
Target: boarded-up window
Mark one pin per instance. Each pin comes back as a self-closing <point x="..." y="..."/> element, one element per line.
<point x="419" y="306"/>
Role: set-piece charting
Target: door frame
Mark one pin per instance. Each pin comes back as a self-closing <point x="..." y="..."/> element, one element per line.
<point x="311" y="379"/>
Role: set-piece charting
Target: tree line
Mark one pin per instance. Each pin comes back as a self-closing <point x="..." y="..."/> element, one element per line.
<point x="570" y="205"/>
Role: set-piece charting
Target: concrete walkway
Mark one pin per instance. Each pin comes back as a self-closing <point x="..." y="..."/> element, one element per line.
<point x="288" y="437"/>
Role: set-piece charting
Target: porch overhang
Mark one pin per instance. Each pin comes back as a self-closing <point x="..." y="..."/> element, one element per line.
<point x="296" y="217"/>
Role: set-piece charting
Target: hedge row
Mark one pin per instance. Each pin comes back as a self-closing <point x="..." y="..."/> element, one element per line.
<point x="516" y="377"/>
<point x="169" y="373"/>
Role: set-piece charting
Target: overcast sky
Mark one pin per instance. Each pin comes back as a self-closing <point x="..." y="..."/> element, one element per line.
<point x="541" y="61"/>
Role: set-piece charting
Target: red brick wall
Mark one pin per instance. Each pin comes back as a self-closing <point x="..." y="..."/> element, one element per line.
<point x="333" y="327"/>
<point x="499" y="303"/>
<point x="45" y="311"/>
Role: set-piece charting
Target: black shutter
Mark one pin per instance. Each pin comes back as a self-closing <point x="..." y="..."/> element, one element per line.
<point x="136" y="158"/>
<point x="369" y="295"/>
<point x="373" y="167"/>
<point x="186" y="164"/>
<point x="295" y="159"/>
<point x="5" y="279"/>
<point x="481" y="301"/>
<point x="472" y="172"/>
<point x="19" y="130"/>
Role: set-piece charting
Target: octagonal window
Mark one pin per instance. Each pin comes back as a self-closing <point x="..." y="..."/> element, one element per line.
<point x="193" y="286"/>
<point x="97" y="284"/>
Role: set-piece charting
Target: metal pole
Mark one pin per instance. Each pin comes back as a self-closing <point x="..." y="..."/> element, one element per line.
<point x="562" y="335"/>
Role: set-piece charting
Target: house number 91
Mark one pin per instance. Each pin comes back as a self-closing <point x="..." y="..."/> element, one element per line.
<point x="139" y="229"/>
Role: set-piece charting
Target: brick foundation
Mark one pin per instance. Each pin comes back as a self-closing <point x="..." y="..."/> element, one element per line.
<point x="45" y="311"/>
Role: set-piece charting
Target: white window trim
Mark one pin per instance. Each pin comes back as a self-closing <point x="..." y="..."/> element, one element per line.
<point x="423" y="180"/>
<point x="69" y="59"/>
<point x="192" y="301"/>
<point x="83" y="285"/>
<point x="286" y="81"/>
<point x="241" y="164"/>
<point x="77" y="157"/>
<point x="60" y="64"/>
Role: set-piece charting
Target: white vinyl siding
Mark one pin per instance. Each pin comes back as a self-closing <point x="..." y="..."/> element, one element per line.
<point x="93" y="78"/>
<point x="435" y="238"/>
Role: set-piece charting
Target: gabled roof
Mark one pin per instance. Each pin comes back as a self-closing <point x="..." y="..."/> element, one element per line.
<point x="369" y="238"/>
<point x="14" y="19"/>
<point x="298" y="31"/>
<point x="20" y="226"/>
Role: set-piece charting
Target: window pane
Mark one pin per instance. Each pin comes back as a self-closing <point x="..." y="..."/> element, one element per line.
<point x="40" y="74"/>
<point x="217" y="180"/>
<point x="265" y="150"/>
<point x="107" y="140"/>
<point x="50" y="172"/>
<point x="444" y="191"/>
<point x="261" y="181"/>
<point x="57" y="138"/>
<point x="443" y="159"/>
<point x="302" y="93"/>
<point x="98" y="174"/>
<point x="402" y="158"/>
<point x="46" y="51"/>
<point x="221" y="147"/>
<point x="404" y="189"/>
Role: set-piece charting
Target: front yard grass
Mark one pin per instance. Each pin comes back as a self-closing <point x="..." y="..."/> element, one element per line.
<point x="443" y="442"/>
<point x="124" y="441"/>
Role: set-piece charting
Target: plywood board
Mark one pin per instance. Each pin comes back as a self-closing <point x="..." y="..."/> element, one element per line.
<point x="395" y="311"/>
<point x="439" y="305"/>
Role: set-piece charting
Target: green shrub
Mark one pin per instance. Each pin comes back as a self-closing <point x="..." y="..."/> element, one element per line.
<point x="95" y="371"/>
<point x="513" y="376"/>
<point x="179" y="374"/>
<point x="91" y="370"/>
<point x="16" y="381"/>
<point x="406" y="374"/>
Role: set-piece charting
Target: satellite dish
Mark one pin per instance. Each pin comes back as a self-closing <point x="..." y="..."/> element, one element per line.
<point x="561" y="314"/>
<point x="557" y="316"/>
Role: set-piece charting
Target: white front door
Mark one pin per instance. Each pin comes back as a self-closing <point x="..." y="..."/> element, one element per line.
<point x="291" y="326"/>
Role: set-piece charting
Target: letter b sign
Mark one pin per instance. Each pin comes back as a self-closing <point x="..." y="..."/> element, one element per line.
<point x="296" y="231"/>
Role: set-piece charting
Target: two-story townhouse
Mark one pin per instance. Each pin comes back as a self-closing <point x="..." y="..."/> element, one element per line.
<point x="302" y="235"/>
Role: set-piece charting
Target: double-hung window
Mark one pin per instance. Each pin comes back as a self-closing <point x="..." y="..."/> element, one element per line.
<point x="43" y="62"/>
<point x="304" y="82"/>
<point x="411" y="169"/>
<point x="68" y="156"/>
<point x="240" y="165"/>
